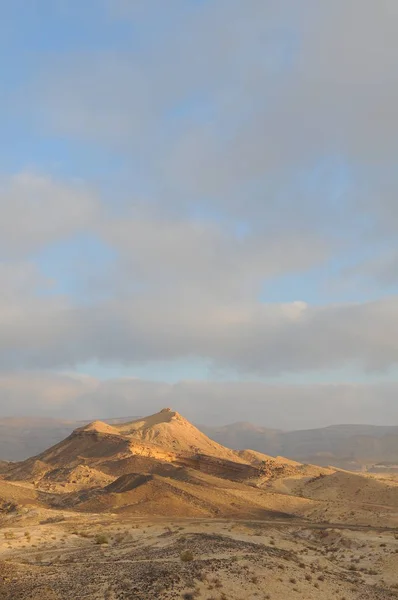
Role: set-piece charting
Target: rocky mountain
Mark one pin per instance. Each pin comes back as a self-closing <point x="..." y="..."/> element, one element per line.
<point x="162" y="465"/>
<point x="352" y="447"/>
<point x="157" y="465"/>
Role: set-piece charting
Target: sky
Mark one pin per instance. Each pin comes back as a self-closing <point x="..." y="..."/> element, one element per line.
<point x="198" y="208"/>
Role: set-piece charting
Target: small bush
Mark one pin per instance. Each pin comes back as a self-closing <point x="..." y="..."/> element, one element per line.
<point x="186" y="556"/>
<point x="101" y="539"/>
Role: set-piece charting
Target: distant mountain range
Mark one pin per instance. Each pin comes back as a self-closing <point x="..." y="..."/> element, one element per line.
<point x="353" y="447"/>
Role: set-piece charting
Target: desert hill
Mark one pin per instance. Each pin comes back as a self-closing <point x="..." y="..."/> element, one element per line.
<point x="255" y="457"/>
<point x="166" y="437"/>
<point x="349" y="487"/>
<point x="146" y="444"/>
<point x="350" y="447"/>
<point x="163" y="465"/>
<point x="168" y="430"/>
<point x="4" y="466"/>
<point x="159" y="465"/>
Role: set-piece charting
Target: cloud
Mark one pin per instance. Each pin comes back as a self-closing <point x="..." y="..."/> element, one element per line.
<point x="203" y="258"/>
<point x="37" y="210"/>
<point x="169" y="324"/>
<point x="19" y="280"/>
<point x="280" y="406"/>
<point x="263" y="136"/>
<point x="27" y="393"/>
<point x="178" y="288"/>
<point x="278" y="115"/>
<point x="253" y="87"/>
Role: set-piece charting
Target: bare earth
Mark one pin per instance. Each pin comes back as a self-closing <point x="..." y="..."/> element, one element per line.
<point x="155" y="509"/>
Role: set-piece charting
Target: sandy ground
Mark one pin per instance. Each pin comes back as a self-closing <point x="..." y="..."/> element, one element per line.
<point x="108" y="557"/>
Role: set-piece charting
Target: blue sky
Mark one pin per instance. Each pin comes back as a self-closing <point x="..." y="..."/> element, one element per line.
<point x="199" y="190"/>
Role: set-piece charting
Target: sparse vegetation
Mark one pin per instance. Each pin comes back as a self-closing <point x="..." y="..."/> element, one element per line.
<point x="191" y="595"/>
<point x="101" y="538"/>
<point x="186" y="556"/>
